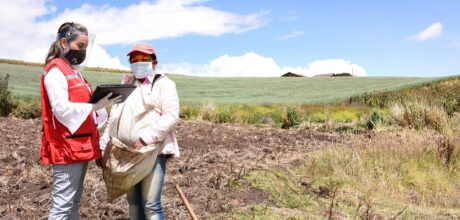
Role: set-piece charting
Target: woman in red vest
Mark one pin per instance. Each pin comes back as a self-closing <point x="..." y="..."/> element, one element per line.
<point x="70" y="124"/>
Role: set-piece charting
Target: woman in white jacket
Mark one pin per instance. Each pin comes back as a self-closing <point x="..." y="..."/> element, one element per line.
<point x="156" y="99"/>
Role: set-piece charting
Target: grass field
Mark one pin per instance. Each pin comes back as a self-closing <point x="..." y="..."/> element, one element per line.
<point x="24" y="81"/>
<point x="350" y="152"/>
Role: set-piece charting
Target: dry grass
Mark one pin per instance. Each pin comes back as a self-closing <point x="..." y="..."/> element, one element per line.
<point x="418" y="115"/>
<point x="404" y="174"/>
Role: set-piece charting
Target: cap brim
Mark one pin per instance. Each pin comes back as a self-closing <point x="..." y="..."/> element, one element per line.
<point x="142" y="51"/>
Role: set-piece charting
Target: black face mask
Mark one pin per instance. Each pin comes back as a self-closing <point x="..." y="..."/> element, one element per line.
<point x="75" y="57"/>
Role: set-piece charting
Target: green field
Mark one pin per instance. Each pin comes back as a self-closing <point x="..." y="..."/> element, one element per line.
<point x="24" y="81"/>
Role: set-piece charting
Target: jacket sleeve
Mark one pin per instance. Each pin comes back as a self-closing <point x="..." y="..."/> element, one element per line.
<point x="70" y="114"/>
<point x="169" y="118"/>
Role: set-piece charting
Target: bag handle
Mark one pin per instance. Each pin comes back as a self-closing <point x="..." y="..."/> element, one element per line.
<point x="155" y="78"/>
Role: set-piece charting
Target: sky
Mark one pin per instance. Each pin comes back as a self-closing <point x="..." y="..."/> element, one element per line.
<point x="249" y="38"/>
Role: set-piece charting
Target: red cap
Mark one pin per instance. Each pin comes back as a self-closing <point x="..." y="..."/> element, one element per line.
<point x="142" y="47"/>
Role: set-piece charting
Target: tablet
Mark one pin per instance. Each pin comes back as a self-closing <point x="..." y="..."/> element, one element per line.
<point x="117" y="89"/>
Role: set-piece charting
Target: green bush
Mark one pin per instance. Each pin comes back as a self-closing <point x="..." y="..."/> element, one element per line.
<point x="27" y="109"/>
<point x="291" y="118"/>
<point x="224" y="115"/>
<point x="375" y="118"/>
<point x="6" y="102"/>
<point x="189" y="112"/>
<point x="451" y="105"/>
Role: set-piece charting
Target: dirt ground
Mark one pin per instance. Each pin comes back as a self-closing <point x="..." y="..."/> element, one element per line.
<point x="211" y="156"/>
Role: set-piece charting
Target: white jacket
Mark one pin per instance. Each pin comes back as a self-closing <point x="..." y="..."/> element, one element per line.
<point x="158" y="126"/>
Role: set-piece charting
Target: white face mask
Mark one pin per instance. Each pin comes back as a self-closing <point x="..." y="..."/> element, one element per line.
<point x="142" y="69"/>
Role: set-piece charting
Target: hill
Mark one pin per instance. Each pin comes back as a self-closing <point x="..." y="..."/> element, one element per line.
<point x="24" y="81"/>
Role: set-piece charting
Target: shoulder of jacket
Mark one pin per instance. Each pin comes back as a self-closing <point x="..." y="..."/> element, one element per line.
<point x="164" y="80"/>
<point x="59" y="63"/>
<point x="54" y="70"/>
<point x="54" y="73"/>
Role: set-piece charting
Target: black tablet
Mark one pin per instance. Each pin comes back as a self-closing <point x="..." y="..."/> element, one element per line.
<point x="117" y="89"/>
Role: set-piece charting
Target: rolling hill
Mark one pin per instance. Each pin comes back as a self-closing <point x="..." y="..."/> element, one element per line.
<point x="24" y="83"/>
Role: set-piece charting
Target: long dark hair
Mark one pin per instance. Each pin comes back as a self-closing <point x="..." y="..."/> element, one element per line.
<point x="69" y="31"/>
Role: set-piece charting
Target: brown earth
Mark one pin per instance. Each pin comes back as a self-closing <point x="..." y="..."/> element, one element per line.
<point x="212" y="156"/>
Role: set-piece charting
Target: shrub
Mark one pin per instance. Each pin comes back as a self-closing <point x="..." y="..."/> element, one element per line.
<point x="375" y="118"/>
<point x="27" y="109"/>
<point x="420" y="114"/>
<point x="447" y="149"/>
<point x="436" y="118"/>
<point x="207" y="112"/>
<point x="451" y="105"/>
<point x="189" y="112"/>
<point x="291" y="118"/>
<point x="6" y="102"/>
<point x="224" y="115"/>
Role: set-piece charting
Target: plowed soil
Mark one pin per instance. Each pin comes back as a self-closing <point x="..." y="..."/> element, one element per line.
<point x="212" y="155"/>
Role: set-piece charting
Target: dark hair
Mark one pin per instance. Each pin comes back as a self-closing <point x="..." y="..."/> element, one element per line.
<point x="154" y="57"/>
<point x="69" y="31"/>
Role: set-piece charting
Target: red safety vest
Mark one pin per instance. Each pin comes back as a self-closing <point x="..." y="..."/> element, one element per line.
<point x="59" y="146"/>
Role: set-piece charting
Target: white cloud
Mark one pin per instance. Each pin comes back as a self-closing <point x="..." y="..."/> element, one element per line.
<point x="100" y="57"/>
<point x="431" y="32"/>
<point x="185" y="68"/>
<point x="335" y="66"/>
<point x="291" y="35"/>
<point x="155" y="20"/>
<point x="29" y="36"/>
<point x="254" y="65"/>
<point x="250" y="64"/>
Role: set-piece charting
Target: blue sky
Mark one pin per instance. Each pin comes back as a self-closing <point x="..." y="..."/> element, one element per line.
<point x="311" y="37"/>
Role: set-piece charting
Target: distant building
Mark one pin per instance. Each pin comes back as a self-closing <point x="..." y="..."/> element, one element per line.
<point x="342" y="74"/>
<point x="291" y="74"/>
<point x="333" y="75"/>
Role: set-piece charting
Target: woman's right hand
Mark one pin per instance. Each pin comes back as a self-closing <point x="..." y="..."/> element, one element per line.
<point x="106" y="101"/>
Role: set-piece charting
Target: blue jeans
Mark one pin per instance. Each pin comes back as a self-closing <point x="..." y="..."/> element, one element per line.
<point x="144" y="198"/>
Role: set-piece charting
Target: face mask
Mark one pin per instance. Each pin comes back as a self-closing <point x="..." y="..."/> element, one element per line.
<point x="75" y="57"/>
<point x="142" y="69"/>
